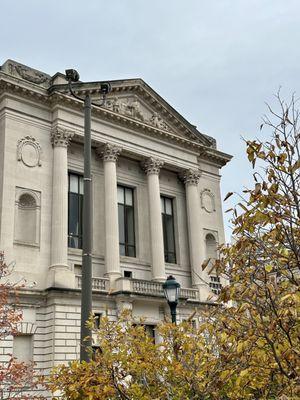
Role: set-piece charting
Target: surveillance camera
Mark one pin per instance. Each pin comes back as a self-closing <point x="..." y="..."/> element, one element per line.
<point x="105" y="88"/>
<point x="72" y="75"/>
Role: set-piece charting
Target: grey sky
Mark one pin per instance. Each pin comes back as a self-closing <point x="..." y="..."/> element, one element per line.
<point x="215" y="62"/>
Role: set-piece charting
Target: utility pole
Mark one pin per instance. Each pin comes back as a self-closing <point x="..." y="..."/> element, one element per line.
<point x="87" y="218"/>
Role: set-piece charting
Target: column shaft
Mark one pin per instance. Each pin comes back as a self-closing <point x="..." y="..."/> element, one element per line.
<point x="191" y="179"/>
<point x="152" y="167"/>
<point x="59" y="274"/>
<point x="110" y="155"/>
<point x="112" y="257"/>
<point x="59" y="230"/>
<point x="193" y="217"/>
<point x="59" y="237"/>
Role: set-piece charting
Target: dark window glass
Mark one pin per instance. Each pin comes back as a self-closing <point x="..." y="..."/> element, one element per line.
<point x="168" y="229"/>
<point x="215" y="284"/>
<point x="97" y="320"/>
<point x="127" y="274"/>
<point x="126" y="221"/>
<point x="75" y="201"/>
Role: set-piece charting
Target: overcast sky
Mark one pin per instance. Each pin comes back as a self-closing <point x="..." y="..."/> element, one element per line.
<point x="216" y="62"/>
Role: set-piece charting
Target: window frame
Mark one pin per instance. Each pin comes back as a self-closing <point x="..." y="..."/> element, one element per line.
<point x="79" y="217"/>
<point x="164" y="216"/>
<point x="125" y="222"/>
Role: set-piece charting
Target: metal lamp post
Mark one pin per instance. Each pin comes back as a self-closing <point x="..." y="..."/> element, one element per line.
<point x="72" y="76"/>
<point x="171" y="289"/>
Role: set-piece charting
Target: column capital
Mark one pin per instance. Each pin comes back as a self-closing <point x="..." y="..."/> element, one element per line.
<point x="152" y="165"/>
<point x="61" y="137"/>
<point x="190" y="176"/>
<point x="109" y="152"/>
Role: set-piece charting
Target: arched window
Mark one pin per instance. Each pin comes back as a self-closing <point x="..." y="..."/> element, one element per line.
<point x="27" y="218"/>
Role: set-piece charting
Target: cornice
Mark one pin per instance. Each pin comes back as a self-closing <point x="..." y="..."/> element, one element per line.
<point x="56" y="97"/>
<point x="14" y="87"/>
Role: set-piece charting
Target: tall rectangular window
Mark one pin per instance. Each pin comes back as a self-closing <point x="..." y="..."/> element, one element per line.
<point x="126" y="221"/>
<point x="75" y="201"/>
<point x="168" y="229"/>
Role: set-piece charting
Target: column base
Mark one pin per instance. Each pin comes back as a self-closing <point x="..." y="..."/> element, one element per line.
<point x="60" y="276"/>
<point x="204" y="291"/>
<point x="161" y="279"/>
<point x="113" y="277"/>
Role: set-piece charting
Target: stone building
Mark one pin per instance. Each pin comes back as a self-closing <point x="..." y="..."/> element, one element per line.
<point x="156" y="206"/>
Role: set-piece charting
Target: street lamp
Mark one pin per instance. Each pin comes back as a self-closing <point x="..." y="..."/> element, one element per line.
<point x="72" y="76"/>
<point x="171" y="289"/>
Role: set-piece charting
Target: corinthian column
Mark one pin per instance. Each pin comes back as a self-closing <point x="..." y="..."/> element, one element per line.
<point x="59" y="270"/>
<point x="191" y="179"/>
<point x="152" y="168"/>
<point x="110" y="154"/>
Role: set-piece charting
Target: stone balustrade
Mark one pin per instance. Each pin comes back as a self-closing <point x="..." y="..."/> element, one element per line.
<point x="155" y="289"/>
<point x="140" y="286"/>
<point x="146" y="287"/>
<point x="99" y="284"/>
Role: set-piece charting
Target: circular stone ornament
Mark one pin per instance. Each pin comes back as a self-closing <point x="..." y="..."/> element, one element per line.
<point x="29" y="151"/>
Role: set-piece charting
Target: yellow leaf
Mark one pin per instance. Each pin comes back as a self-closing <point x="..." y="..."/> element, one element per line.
<point x="268" y="267"/>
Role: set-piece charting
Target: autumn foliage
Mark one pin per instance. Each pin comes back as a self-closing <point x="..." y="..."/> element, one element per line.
<point x="17" y="379"/>
<point x="247" y="347"/>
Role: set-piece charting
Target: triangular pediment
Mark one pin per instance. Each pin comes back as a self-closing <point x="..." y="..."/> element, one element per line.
<point x="134" y="99"/>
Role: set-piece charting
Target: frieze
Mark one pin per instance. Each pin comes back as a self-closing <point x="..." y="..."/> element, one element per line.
<point x="208" y="201"/>
<point x="29" y="151"/>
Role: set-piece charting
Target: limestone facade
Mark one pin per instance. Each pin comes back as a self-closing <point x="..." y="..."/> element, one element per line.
<point x="138" y="142"/>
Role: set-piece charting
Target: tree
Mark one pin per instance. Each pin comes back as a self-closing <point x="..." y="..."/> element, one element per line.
<point x="262" y="328"/>
<point x="248" y="346"/>
<point x="17" y="379"/>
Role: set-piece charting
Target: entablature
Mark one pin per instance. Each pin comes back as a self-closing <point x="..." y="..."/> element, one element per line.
<point x="164" y="124"/>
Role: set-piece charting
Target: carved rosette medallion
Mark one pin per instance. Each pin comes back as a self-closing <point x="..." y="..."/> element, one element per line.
<point x="152" y="165"/>
<point x="190" y="177"/>
<point x="208" y="201"/>
<point x="109" y="152"/>
<point x="29" y="151"/>
<point x="61" y="137"/>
